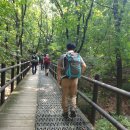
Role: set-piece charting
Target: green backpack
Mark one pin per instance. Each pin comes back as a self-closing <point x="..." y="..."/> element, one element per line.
<point x="72" y="65"/>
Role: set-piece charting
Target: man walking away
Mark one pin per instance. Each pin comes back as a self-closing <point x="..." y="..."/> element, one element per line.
<point x="69" y="69"/>
<point x="34" y="62"/>
<point x="41" y="61"/>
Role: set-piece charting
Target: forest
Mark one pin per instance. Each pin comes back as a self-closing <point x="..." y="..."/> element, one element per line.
<point x="100" y="30"/>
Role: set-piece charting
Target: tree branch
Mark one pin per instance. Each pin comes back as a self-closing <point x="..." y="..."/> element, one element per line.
<point x="103" y="5"/>
<point x="86" y="26"/>
<point x="62" y="15"/>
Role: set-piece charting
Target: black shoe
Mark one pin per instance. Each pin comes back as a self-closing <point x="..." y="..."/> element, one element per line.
<point x="65" y="115"/>
<point x="73" y="114"/>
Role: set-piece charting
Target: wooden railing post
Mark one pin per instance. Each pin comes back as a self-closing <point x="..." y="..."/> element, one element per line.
<point x="12" y="76"/>
<point x="3" y="78"/>
<point x="53" y="71"/>
<point x="95" y="97"/>
<point x="24" y="66"/>
<point x="21" y="70"/>
<point x="18" y="79"/>
<point x="55" y="68"/>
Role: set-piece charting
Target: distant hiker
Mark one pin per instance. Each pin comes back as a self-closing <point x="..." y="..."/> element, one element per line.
<point x="69" y="69"/>
<point x="47" y="62"/>
<point x="41" y="61"/>
<point x="34" y="61"/>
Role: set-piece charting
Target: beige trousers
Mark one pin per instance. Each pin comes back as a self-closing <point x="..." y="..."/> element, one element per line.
<point x="69" y="93"/>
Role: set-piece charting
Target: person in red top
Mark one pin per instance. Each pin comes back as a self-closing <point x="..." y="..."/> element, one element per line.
<point x="47" y="62"/>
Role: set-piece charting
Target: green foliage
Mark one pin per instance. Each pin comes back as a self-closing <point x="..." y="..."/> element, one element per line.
<point x="45" y="27"/>
<point x="126" y="86"/>
<point x="103" y="124"/>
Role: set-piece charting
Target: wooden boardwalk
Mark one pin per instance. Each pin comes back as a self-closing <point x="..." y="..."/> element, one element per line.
<point x="35" y="105"/>
<point x="18" y="112"/>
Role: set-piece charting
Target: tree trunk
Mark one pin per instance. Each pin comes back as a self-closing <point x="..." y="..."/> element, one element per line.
<point x="118" y="18"/>
<point x="85" y="27"/>
<point x="23" y="8"/>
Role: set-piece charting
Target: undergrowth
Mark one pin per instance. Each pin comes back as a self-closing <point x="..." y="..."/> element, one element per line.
<point x="103" y="124"/>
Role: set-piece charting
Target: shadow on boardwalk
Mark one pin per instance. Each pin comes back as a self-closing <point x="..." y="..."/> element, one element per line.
<point x="35" y="105"/>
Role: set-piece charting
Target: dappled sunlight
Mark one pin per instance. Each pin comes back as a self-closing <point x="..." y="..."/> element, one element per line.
<point x="41" y="89"/>
<point x="52" y="110"/>
<point x="33" y="78"/>
<point x="44" y="100"/>
<point x="32" y="88"/>
<point x="47" y="84"/>
<point x="15" y="92"/>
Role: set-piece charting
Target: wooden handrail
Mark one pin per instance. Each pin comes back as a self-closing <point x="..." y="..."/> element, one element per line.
<point x="20" y="72"/>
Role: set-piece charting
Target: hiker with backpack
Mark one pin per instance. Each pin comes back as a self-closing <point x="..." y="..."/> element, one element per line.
<point x="34" y="62"/>
<point x="47" y="62"/>
<point x="69" y="69"/>
<point x="41" y="61"/>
